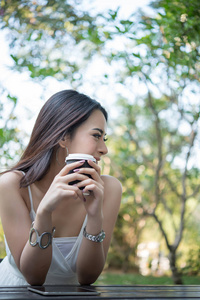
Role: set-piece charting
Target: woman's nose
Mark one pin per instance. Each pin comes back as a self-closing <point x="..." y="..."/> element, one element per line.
<point x="103" y="148"/>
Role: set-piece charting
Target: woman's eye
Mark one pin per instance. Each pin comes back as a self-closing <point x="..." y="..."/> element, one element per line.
<point x="97" y="136"/>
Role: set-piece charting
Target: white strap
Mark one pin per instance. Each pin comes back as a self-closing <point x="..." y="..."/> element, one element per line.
<point x="31" y="198"/>
<point x="30" y="195"/>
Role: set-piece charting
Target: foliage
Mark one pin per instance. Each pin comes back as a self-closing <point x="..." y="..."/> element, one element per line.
<point x="10" y="140"/>
<point x="161" y="125"/>
<point x="109" y="278"/>
<point x="69" y="31"/>
<point x="192" y="264"/>
<point x="155" y="166"/>
<point x="179" y="27"/>
<point x="2" y="247"/>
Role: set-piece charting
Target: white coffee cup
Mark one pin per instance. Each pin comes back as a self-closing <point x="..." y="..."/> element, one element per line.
<point x="74" y="157"/>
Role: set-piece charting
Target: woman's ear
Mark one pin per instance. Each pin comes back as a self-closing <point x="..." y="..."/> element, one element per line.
<point x="64" y="142"/>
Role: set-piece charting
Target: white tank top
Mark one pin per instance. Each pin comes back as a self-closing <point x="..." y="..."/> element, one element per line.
<point x="62" y="270"/>
<point x="65" y="244"/>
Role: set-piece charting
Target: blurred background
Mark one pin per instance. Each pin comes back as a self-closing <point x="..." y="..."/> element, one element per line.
<point x="140" y="59"/>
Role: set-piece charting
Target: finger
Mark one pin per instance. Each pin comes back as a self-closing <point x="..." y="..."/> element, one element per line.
<point x="65" y="170"/>
<point x="73" y="191"/>
<point x="92" y="189"/>
<point x="74" y="177"/>
<point x="95" y="166"/>
<point x="90" y="171"/>
<point x="88" y="181"/>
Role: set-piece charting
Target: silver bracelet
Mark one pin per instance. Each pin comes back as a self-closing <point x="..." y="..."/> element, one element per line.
<point x="40" y="237"/>
<point x="94" y="238"/>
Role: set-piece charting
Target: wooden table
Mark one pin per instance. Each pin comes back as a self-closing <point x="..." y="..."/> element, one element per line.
<point x="184" y="292"/>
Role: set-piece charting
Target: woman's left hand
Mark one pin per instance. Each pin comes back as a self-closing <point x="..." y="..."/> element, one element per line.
<point x="94" y="187"/>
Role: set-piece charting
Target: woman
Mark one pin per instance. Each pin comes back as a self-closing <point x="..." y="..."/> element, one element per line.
<point x="35" y="197"/>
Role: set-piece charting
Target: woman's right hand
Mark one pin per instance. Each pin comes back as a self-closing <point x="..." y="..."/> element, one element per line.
<point x="60" y="188"/>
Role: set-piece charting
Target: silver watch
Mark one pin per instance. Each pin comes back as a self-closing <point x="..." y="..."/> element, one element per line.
<point x="94" y="238"/>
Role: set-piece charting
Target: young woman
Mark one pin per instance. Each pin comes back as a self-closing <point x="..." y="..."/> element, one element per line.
<point x="54" y="231"/>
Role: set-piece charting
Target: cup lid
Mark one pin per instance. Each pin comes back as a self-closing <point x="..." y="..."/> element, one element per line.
<point x="80" y="156"/>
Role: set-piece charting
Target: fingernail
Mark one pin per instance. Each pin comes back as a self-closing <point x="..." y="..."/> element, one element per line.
<point x="86" y="193"/>
<point x="81" y="161"/>
<point x="76" y="170"/>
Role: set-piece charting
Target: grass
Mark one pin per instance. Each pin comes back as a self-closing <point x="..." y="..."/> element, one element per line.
<point x="110" y="278"/>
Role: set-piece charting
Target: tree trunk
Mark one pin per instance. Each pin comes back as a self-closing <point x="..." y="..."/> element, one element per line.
<point x="176" y="276"/>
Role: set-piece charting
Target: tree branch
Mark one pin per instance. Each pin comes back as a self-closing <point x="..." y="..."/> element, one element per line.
<point x="184" y="194"/>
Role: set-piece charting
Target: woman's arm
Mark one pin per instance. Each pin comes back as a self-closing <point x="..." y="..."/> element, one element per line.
<point x="92" y="255"/>
<point x="33" y="262"/>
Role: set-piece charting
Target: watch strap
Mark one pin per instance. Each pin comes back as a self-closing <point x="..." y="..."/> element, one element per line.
<point x="94" y="238"/>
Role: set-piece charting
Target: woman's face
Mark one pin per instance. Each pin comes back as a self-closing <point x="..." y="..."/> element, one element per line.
<point x="89" y="138"/>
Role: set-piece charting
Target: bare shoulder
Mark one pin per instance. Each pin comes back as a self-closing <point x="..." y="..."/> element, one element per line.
<point x="9" y="179"/>
<point x="11" y="201"/>
<point x="10" y="183"/>
<point x="112" y="183"/>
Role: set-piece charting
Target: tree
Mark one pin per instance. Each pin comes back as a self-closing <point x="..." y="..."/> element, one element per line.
<point x="161" y="126"/>
<point x="161" y="187"/>
<point x="50" y="37"/>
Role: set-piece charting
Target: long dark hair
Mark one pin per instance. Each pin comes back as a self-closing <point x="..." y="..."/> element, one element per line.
<point x="62" y="114"/>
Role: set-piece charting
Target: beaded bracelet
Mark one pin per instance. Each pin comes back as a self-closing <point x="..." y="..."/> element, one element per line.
<point x="40" y="237"/>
